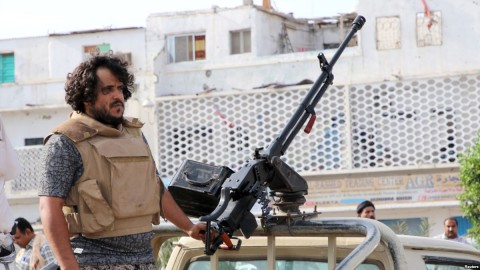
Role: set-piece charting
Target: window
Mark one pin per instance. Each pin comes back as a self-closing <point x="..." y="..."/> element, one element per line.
<point x="186" y="48"/>
<point x="388" y="33"/>
<point x="241" y="41"/>
<point x="429" y="29"/>
<point x="280" y="264"/>
<point x="91" y="49"/>
<point x="7" y="68"/>
<point x="126" y="57"/>
<point x="449" y="263"/>
<point x="33" y="141"/>
<point x="409" y="226"/>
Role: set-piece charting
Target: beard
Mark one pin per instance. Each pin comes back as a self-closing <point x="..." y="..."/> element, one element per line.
<point x="102" y="116"/>
<point x="451" y="235"/>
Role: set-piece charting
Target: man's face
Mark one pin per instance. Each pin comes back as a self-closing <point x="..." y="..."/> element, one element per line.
<point x="109" y="104"/>
<point x="22" y="239"/>
<point x="450" y="228"/>
<point x="368" y="212"/>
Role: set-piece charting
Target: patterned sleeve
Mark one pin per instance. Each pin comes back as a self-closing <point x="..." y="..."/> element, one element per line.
<point x="60" y="166"/>
<point x="47" y="254"/>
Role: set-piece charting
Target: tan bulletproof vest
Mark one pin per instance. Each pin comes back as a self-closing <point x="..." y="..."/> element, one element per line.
<point x="118" y="193"/>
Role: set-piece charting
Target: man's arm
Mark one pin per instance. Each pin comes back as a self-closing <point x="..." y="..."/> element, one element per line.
<point x="56" y="231"/>
<point x="172" y="212"/>
<point x="175" y="214"/>
<point x="61" y="166"/>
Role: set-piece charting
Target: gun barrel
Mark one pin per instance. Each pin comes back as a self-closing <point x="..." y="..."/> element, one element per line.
<point x="356" y="25"/>
<point x="280" y="145"/>
<point x="359" y="22"/>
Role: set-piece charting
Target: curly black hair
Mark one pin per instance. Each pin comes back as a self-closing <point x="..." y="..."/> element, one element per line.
<point x="81" y="84"/>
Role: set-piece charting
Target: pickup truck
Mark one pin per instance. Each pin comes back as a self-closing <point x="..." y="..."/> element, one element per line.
<point x="321" y="243"/>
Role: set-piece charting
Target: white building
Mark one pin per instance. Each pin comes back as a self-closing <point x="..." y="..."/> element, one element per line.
<point x="402" y="107"/>
<point x="32" y="93"/>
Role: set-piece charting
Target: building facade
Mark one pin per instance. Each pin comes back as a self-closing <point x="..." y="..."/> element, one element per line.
<point x="32" y="93"/>
<point x="402" y="108"/>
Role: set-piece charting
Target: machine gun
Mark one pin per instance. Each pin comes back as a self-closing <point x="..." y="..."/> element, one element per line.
<point x="235" y="193"/>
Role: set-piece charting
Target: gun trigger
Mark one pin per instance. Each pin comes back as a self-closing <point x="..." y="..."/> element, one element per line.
<point x="309" y="126"/>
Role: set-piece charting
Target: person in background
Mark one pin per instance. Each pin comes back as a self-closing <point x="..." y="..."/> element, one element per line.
<point x="450" y="231"/>
<point x="97" y="167"/>
<point x="9" y="169"/>
<point x="35" y="252"/>
<point x="366" y="209"/>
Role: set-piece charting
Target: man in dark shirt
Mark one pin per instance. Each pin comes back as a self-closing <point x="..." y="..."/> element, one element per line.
<point x="366" y="209"/>
<point x="97" y="91"/>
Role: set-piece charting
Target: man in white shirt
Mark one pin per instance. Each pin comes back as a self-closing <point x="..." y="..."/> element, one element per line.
<point x="450" y="226"/>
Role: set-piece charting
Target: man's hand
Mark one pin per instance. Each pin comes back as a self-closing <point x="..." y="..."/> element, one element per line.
<point x="197" y="231"/>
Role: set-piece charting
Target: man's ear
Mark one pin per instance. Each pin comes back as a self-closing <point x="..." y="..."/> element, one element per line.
<point x="87" y="105"/>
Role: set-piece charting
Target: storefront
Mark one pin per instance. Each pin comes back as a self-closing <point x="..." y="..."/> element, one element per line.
<point x="410" y="202"/>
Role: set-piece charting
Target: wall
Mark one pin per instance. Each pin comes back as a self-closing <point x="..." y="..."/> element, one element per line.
<point x="43" y="67"/>
<point x="227" y="72"/>
<point x="459" y="42"/>
<point x="367" y="64"/>
<point x="35" y="103"/>
<point x="34" y="123"/>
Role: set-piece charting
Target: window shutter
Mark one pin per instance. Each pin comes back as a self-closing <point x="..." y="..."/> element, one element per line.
<point x="7" y="68"/>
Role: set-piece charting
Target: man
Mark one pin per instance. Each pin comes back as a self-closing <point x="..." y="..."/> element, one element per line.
<point x="99" y="170"/>
<point x="366" y="209"/>
<point x="9" y="169"/>
<point x="450" y="229"/>
<point x="35" y="252"/>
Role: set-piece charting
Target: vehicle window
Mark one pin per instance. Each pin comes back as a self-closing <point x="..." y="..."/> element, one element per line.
<point x="444" y="267"/>
<point x="447" y="263"/>
<point x="280" y="265"/>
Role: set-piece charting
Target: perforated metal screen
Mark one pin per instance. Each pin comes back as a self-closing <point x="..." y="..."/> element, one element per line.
<point x="27" y="181"/>
<point x="389" y="124"/>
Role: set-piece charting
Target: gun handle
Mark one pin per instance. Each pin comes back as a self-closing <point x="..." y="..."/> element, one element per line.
<point x="222" y="205"/>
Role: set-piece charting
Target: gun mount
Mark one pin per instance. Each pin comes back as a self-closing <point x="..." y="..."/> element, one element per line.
<point x="230" y="196"/>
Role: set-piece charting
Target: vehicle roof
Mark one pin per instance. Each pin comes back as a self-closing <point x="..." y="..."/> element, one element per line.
<point x="408" y="241"/>
<point x="411" y="241"/>
<point x="348" y="232"/>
